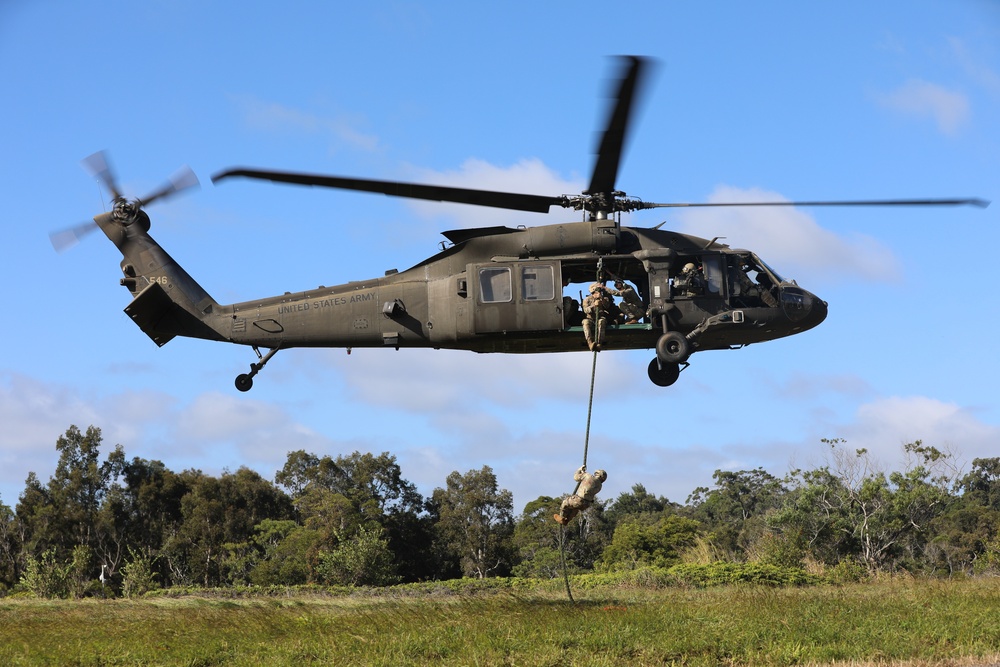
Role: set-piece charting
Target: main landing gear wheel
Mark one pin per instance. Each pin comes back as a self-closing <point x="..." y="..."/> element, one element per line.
<point x="663" y="375"/>
<point x="244" y="382"/>
<point x="673" y="348"/>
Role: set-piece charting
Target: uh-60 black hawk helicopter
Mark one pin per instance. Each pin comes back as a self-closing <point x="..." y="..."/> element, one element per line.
<point x="494" y="289"/>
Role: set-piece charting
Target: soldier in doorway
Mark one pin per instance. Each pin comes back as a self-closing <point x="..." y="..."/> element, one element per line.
<point x="631" y="303"/>
<point x="596" y="310"/>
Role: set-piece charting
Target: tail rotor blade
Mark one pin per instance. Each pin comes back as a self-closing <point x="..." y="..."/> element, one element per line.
<point x="125" y="210"/>
<point x="97" y="165"/>
<point x="67" y="238"/>
<point x="183" y="179"/>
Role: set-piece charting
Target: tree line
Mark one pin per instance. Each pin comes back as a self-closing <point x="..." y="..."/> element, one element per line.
<point x="123" y="526"/>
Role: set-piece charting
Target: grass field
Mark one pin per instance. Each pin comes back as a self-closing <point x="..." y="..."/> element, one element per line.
<point x="908" y="622"/>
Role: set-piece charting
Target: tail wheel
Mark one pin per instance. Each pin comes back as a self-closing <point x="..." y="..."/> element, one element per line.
<point x="663" y="375"/>
<point x="673" y="348"/>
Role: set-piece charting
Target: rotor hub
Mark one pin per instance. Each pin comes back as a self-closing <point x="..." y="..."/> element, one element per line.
<point x="125" y="211"/>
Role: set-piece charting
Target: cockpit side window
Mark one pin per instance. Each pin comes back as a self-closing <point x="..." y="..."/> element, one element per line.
<point x="750" y="285"/>
<point x="773" y="274"/>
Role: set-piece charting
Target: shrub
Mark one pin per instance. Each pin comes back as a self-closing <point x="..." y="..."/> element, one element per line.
<point x="727" y="573"/>
<point x="138" y="577"/>
<point x="43" y="577"/>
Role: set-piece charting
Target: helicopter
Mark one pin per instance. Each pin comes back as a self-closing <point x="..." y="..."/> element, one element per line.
<point x="489" y="290"/>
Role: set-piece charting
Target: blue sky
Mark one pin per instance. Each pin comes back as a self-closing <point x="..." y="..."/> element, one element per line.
<point x="801" y="101"/>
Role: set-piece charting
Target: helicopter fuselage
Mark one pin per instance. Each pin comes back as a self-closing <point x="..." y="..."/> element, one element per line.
<point x="495" y="289"/>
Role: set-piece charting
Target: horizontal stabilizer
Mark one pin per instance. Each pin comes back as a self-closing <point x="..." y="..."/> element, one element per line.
<point x="161" y="318"/>
<point x="154" y="312"/>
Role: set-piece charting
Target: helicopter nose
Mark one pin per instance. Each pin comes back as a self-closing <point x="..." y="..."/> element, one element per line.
<point x="804" y="309"/>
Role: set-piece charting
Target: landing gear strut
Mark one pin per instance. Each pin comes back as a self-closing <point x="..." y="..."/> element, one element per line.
<point x="244" y="381"/>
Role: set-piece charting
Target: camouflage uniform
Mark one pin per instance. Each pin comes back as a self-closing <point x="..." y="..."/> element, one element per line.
<point x="596" y="307"/>
<point x="690" y="281"/>
<point x="631" y="305"/>
<point x="584" y="497"/>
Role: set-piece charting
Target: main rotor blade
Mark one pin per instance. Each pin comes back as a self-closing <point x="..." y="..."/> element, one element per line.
<point x="181" y="180"/>
<point x="97" y="165"/>
<point x="616" y="129"/>
<point x="972" y="201"/>
<point x="507" y="200"/>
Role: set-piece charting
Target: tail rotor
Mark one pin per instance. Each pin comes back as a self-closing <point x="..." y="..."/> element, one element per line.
<point x="125" y="211"/>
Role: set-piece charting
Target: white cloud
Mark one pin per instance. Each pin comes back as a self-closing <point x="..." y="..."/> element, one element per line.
<point x="214" y="431"/>
<point x="35" y="414"/>
<point x="789" y="239"/>
<point x="799" y="385"/>
<point x="432" y="381"/>
<point x="884" y="426"/>
<point x="216" y="427"/>
<point x="981" y="74"/>
<point x="948" y="108"/>
<point x="341" y="129"/>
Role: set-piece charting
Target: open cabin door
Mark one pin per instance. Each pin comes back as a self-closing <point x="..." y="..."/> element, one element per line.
<point x="517" y="296"/>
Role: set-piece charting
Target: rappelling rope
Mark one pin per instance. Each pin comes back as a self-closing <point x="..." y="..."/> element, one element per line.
<point x="590" y="410"/>
<point x="562" y="559"/>
<point x="586" y="447"/>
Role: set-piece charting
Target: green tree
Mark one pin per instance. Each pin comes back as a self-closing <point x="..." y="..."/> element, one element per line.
<point x="339" y="496"/>
<point x="288" y="553"/>
<point x="138" y="575"/>
<point x="735" y="511"/>
<point x="220" y="511"/>
<point x="475" y="522"/>
<point x="536" y="539"/>
<point x="65" y="513"/>
<point x="814" y="516"/>
<point x="44" y="576"/>
<point x="639" y="543"/>
<point x="10" y="548"/>
<point x="637" y="501"/>
<point x="852" y="508"/>
<point x="981" y="485"/>
<point x="363" y="559"/>
<point x="961" y="536"/>
<point x="70" y="511"/>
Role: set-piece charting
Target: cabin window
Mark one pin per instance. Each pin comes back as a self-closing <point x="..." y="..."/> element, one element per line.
<point x="537" y="283"/>
<point x="495" y="284"/>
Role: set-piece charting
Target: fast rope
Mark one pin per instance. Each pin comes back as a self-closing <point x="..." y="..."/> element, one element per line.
<point x="586" y="448"/>
<point x="590" y="410"/>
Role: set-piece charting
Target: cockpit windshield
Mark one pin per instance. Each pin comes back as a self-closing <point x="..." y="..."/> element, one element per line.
<point x="774" y="274"/>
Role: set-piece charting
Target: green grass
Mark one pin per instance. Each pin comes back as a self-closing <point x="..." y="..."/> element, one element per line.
<point x="913" y="622"/>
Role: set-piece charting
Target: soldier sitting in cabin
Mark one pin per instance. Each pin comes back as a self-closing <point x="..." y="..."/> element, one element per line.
<point x="690" y="281"/>
<point x="631" y="303"/>
<point x="572" y="315"/>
